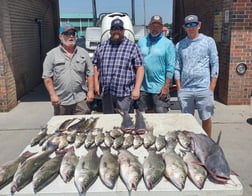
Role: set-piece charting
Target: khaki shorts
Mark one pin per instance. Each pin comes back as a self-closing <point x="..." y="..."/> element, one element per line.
<point x="75" y="109"/>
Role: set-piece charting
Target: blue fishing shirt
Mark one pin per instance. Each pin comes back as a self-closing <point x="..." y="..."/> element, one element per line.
<point x="197" y="62"/>
<point x="159" y="62"/>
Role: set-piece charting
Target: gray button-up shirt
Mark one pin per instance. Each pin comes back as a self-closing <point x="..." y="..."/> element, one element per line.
<point x="68" y="74"/>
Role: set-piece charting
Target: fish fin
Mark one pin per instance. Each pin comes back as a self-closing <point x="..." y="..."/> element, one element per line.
<point x="197" y="163"/>
<point x="219" y="136"/>
<point x="234" y="173"/>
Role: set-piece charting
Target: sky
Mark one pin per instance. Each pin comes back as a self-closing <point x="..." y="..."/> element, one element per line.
<point x="143" y="8"/>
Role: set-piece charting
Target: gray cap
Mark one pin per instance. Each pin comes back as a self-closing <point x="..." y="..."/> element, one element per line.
<point x="156" y="19"/>
<point x="66" y="27"/>
<point x="191" y="18"/>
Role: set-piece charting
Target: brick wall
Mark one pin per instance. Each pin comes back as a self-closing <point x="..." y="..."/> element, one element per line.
<point x="229" y="22"/>
<point x="240" y="86"/>
<point x="29" y="29"/>
<point x="7" y="82"/>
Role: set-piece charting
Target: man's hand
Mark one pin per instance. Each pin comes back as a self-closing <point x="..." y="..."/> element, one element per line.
<point x="55" y="100"/>
<point x="90" y="96"/>
<point x="135" y="94"/>
<point x="164" y="92"/>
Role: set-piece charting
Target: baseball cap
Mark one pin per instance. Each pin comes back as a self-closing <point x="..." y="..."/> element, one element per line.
<point x="66" y="27"/>
<point x="156" y="19"/>
<point x="117" y="23"/>
<point x="191" y="18"/>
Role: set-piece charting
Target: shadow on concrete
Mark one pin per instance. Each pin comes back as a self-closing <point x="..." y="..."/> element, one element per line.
<point x="39" y="93"/>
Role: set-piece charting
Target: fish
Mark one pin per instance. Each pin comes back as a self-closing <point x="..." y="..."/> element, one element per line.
<point x="8" y="169"/>
<point x="160" y="142"/>
<point x="153" y="169"/>
<point x="211" y="156"/>
<point x="171" y="139"/>
<point x="47" y="172"/>
<point x="71" y="137"/>
<point x="108" y="140"/>
<point x="78" y="125"/>
<point x="90" y="140"/>
<point x="115" y="132"/>
<point x="91" y="123"/>
<point x="171" y="136"/>
<point x="86" y="171"/>
<point x="68" y="164"/>
<point x="148" y="139"/>
<point x="62" y="142"/>
<point x="26" y="169"/>
<point x="175" y="168"/>
<point x="118" y="142"/>
<point x="140" y="125"/>
<point x="127" y="125"/>
<point x="88" y="125"/>
<point x="63" y="126"/>
<point x="79" y="139"/>
<point x="42" y="133"/>
<point x="137" y="142"/>
<point x="183" y="140"/>
<point x="196" y="172"/>
<point x="52" y="139"/>
<point x="99" y="138"/>
<point x="44" y="139"/>
<point x="131" y="170"/>
<point x="128" y="141"/>
<point x="108" y="169"/>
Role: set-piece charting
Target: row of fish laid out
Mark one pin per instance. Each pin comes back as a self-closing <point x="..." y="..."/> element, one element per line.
<point x="202" y="158"/>
<point x="84" y="132"/>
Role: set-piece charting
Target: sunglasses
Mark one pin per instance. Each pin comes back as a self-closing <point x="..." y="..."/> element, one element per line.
<point x="193" y="24"/>
<point x="68" y="34"/>
<point x="116" y="28"/>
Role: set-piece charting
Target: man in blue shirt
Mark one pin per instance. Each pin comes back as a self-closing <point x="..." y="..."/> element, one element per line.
<point x="118" y="65"/>
<point x="196" y="72"/>
<point x="159" y="62"/>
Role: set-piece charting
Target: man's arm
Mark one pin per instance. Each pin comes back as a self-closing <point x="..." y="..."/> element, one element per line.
<point x="96" y="81"/>
<point x="50" y="88"/>
<point x="139" y="78"/>
<point x="90" y="94"/>
<point x="212" y="84"/>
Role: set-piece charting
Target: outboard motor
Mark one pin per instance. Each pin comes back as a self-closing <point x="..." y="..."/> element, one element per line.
<point x="106" y="23"/>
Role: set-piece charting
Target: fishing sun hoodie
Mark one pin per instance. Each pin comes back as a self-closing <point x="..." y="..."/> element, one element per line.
<point x="196" y="63"/>
<point x="159" y="62"/>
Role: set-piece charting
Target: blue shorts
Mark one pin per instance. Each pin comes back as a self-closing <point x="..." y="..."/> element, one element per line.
<point x="203" y="101"/>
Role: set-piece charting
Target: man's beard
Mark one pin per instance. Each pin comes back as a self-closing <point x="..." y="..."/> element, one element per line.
<point x="68" y="43"/>
<point x="116" y="38"/>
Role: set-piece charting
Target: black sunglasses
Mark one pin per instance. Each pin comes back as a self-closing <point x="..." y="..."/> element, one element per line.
<point x="116" y="28"/>
<point x="69" y="33"/>
<point x="193" y="24"/>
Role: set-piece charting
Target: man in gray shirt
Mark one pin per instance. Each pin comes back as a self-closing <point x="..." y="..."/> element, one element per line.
<point x="68" y="75"/>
